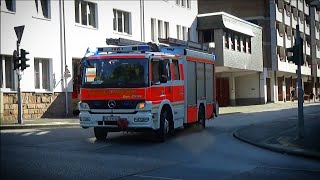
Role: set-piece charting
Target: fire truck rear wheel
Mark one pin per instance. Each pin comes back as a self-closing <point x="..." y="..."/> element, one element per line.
<point x="100" y="133"/>
<point x="202" y="117"/>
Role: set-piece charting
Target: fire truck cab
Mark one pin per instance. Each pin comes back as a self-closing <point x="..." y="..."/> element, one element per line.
<point x="146" y="87"/>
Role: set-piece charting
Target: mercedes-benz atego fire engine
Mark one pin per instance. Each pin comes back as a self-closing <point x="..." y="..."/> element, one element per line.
<point x="146" y="87"/>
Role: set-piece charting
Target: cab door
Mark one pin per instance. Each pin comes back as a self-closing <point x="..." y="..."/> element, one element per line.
<point x="157" y="90"/>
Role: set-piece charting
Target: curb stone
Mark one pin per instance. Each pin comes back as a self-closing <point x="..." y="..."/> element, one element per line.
<point x="278" y="148"/>
<point x="31" y="126"/>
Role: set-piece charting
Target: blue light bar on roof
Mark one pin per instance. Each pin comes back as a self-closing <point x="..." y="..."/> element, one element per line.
<point x="144" y="48"/>
<point x="123" y="49"/>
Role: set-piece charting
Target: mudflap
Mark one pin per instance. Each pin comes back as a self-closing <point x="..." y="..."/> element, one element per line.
<point x="122" y="124"/>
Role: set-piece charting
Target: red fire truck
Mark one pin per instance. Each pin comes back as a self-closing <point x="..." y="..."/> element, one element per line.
<point x="146" y="87"/>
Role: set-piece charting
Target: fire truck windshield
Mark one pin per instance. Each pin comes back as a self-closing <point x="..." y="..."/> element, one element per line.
<point x="115" y="73"/>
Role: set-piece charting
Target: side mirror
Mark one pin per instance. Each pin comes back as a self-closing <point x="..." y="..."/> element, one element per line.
<point x="164" y="79"/>
<point x="155" y="83"/>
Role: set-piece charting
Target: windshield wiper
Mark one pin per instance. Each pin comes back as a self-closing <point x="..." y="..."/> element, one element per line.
<point x="97" y="82"/>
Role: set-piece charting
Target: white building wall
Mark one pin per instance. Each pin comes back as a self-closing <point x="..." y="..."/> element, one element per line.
<point x="172" y="13"/>
<point x="40" y="38"/>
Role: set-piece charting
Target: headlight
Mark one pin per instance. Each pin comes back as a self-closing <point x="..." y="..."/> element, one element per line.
<point x="83" y="106"/>
<point x="141" y="105"/>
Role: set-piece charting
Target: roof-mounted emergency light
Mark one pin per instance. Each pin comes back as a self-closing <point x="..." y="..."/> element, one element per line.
<point x="117" y="49"/>
<point x="123" y="49"/>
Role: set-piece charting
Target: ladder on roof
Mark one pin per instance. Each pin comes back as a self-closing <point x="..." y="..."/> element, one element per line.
<point x="188" y="44"/>
<point x="157" y="46"/>
<point x="123" y="42"/>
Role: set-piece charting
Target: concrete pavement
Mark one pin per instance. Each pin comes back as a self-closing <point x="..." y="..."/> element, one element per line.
<point x="282" y="136"/>
<point x="278" y="136"/>
<point x="40" y="123"/>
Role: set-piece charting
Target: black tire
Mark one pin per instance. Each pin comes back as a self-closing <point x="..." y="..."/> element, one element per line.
<point x="202" y="118"/>
<point x="100" y="133"/>
<point x="163" y="131"/>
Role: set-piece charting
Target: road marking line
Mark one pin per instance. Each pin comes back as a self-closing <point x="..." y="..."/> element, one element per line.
<point x="42" y="133"/>
<point x="156" y="177"/>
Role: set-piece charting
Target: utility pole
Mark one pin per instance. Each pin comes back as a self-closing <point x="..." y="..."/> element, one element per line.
<point x="300" y="90"/>
<point x="297" y="58"/>
<point x="20" y="120"/>
<point x="16" y="59"/>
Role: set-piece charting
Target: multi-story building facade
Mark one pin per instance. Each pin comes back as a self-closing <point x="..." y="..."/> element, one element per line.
<point x="57" y="34"/>
<point x="238" y="48"/>
<point x="279" y="19"/>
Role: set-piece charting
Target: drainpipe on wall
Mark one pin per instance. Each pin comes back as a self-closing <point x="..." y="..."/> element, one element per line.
<point x="63" y="54"/>
<point x="66" y="72"/>
<point x="1" y="104"/>
<point x="142" y="20"/>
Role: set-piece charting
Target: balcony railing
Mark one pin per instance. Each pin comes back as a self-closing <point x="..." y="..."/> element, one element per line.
<point x="288" y="38"/>
<point x="279" y="12"/>
<point x="307" y="29"/>
<point x="307" y="49"/>
<point x="306" y="9"/>
<point x="300" y="5"/>
<point x="280" y="38"/>
<point x="287" y="18"/>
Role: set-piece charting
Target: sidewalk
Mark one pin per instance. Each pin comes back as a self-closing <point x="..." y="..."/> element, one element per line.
<point x="282" y="136"/>
<point x="40" y="123"/>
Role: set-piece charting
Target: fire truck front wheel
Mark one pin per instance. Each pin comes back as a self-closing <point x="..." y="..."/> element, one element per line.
<point x="100" y="133"/>
<point x="165" y="125"/>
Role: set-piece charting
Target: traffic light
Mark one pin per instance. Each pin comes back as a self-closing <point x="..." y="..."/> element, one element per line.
<point x="16" y="59"/>
<point x="24" y="59"/>
<point x="296" y="52"/>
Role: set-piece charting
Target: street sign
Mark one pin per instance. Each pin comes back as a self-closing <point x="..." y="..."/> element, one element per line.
<point x="19" y="32"/>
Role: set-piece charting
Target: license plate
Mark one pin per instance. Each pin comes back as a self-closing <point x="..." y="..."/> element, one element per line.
<point x="110" y="118"/>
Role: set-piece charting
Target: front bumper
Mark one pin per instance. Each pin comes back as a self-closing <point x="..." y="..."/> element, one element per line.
<point x="141" y="120"/>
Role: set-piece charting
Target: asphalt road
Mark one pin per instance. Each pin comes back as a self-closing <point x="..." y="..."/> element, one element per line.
<point x="73" y="153"/>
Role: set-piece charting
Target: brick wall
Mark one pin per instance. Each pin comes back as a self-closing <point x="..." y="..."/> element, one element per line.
<point x="35" y="105"/>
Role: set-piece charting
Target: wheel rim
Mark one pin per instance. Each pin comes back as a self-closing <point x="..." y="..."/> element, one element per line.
<point x="166" y="126"/>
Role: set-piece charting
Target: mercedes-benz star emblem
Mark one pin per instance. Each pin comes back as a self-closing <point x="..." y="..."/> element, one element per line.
<point x="111" y="104"/>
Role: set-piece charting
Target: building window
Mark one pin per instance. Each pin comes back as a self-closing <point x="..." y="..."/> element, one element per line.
<point x="238" y="37"/>
<point x="244" y="45"/>
<point x="179" y="32"/>
<point x="43" y="8"/>
<point x="41" y="74"/>
<point x="233" y="42"/>
<point x="10" y="5"/>
<point x="249" y="45"/>
<point x="85" y="13"/>
<point x="176" y="69"/>
<point x="7" y="79"/>
<point x="188" y="3"/>
<point x="153" y="30"/>
<point x="121" y="21"/>
<point x="183" y="3"/>
<point x="184" y="33"/>
<point x="166" y="30"/>
<point x="226" y="39"/>
<point x="160" y="29"/>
